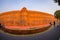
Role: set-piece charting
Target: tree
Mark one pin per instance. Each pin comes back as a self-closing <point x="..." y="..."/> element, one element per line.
<point x="57" y="1"/>
<point x="57" y="14"/>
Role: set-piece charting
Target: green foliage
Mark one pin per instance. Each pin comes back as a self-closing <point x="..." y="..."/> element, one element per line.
<point x="57" y="14"/>
<point x="57" y="1"/>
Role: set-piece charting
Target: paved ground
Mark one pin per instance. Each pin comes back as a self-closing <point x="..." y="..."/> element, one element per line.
<point x="52" y="34"/>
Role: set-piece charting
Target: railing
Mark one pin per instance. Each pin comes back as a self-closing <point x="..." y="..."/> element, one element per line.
<point x="25" y="32"/>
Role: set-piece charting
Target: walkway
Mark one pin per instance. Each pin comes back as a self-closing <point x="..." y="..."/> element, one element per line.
<point x="52" y="34"/>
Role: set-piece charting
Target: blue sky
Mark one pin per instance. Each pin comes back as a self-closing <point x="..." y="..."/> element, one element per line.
<point x="39" y="5"/>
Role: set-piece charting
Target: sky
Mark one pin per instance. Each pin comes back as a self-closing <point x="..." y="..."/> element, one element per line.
<point x="47" y="6"/>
